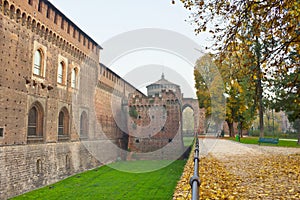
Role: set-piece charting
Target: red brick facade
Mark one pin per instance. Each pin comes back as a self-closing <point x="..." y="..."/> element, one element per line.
<point x="154" y="122"/>
<point x="56" y="99"/>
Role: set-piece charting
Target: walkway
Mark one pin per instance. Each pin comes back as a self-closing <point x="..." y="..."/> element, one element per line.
<point x="231" y="170"/>
<point x="222" y="149"/>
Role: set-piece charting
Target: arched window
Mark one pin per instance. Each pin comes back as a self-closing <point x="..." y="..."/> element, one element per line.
<point x="30" y="2"/>
<point x="12" y="11"/>
<point x="63" y="122"/>
<point x="83" y="125"/>
<point x="60" y="73"/>
<point x="6" y="8"/>
<point x="35" y="121"/>
<point x="38" y="61"/>
<point x="32" y="121"/>
<point x="74" y="78"/>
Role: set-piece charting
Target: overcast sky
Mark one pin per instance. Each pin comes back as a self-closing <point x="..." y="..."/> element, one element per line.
<point x="105" y="19"/>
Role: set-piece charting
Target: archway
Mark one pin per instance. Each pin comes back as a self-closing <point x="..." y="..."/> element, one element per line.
<point x="188" y="122"/>
<point x="198" y="118"/>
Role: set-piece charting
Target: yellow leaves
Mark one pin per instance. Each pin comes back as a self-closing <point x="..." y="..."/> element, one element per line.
<point x="244" y="177"/>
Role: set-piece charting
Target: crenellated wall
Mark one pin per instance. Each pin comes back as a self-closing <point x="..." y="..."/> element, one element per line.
<point x="46" y="20"/>
<point x="154" y="122"/>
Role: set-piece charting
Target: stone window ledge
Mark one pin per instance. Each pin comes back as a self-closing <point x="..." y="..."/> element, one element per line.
<point x="35" y="139"/>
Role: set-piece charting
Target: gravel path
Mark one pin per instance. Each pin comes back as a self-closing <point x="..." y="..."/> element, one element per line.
<point x="262" y="172"/>
<point x="222" y="149"/>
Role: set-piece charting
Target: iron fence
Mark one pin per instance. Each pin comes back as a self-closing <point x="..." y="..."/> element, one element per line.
<point x="195" y="180"/>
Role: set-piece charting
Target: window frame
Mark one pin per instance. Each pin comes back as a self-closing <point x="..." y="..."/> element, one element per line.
<point x="84" y="125"/>
<point x="37" y="65"/>
<point x="2" y="131"/>
<point x="75" y="78"/>
<point x="39" y="121"/>
<point x="43" y="53"/>
<point x="64" y="117"/>
<point x="64" y="63"/>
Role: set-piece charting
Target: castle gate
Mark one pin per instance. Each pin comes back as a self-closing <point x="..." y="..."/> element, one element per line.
<point x="198" y="114"/>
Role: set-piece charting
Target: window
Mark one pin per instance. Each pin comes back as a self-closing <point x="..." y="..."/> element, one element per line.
<point x="83" y="125"/>
<point x="74" y="77"/>
<point x="38" y="61"/>
<point x="69" y="27"/>
<point x="63" y="122"/>
<point x="1" y="132"/>
<point x="48" y="12"/>
<point x="55" y="18"/>
<point x="40" y="6"/>
<point x="67" y="162"/>
<point x="32" y="120"/>
<point x="35" y="120"/>
<point x="39" y="166"/>
<point x="60" y="73"/>
<point x="30" y="2"/>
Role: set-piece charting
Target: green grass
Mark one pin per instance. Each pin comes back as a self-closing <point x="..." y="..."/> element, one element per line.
<point x="254" y="140"/>
<point x="108" y="183"/>
<point x="188" y="141"/>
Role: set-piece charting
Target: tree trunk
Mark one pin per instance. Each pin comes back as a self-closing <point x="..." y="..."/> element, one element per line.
<point x="231" y="129"/>
<point x="298" y="139"/>
<point x="241" y="129"/>
<point x="259" y="89"/>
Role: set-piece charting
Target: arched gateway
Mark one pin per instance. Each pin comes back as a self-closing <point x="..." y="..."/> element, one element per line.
<point x="198" y="116"/>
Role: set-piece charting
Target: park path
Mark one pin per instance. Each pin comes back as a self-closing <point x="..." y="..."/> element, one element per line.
<point x="261" y="172"/>
<point x="222" y="149"/>
<point x="231" y="170"/>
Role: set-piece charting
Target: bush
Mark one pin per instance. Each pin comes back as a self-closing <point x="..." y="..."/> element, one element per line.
<point x="133" y="112"/>
<point x="276" y="134"/>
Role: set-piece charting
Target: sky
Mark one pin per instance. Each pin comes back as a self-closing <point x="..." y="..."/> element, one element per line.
<point x="118" y="23"/>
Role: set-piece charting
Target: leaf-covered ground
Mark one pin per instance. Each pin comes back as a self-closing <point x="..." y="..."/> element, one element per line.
<point x="246" y="173"/>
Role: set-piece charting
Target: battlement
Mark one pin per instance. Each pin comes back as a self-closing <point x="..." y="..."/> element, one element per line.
<point x="167" y="97"/>
<point x="114" y="83"/>
<point x="46" y="20"/>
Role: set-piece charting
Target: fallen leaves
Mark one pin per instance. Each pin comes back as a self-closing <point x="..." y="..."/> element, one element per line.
<point x="244" y="177"/>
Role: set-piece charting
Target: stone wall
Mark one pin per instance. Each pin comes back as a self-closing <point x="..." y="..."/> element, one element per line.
<point x="27" y="167"/>
<point x="28" y="162"/>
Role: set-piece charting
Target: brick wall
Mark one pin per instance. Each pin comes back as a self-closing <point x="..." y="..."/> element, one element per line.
<point x="24" y="29"/>
<point x="155" y="123"/>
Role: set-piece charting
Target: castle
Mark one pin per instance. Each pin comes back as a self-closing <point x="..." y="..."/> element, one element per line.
<point x="62" y="111"/>
<point x="154" y="126"/>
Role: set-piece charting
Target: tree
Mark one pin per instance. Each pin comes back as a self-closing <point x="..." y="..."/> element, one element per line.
<point x="210" y="89"/>
<point x="269" y="27"/>
<point x="239" y="89"/>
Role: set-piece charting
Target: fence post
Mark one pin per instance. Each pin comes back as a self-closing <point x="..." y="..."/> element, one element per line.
<point x="195" y="180"/>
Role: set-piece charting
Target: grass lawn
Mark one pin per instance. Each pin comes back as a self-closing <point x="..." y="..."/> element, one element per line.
<point x="108" y="183"/>
<point x="188" y="141"/>
<point x="281" y="143"/>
